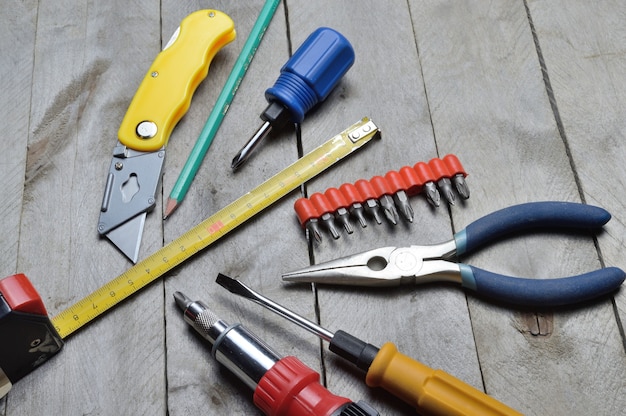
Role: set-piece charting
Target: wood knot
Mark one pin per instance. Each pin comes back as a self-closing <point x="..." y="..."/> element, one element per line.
<point x="535" y="324"/>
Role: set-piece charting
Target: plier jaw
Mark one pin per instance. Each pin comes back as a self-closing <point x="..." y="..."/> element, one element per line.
<point x="386" y="266"/>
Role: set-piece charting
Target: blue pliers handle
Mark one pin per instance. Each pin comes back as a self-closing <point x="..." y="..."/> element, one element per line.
<point x="389" y="266"/>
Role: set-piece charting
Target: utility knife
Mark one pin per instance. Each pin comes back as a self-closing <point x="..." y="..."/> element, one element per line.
<point x="161" y="100"/>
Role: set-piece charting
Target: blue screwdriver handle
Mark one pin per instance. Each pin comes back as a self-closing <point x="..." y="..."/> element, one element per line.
<point x="542" y="292"/>
<point x="313" y="71"/>
<point x="528" y="216"/>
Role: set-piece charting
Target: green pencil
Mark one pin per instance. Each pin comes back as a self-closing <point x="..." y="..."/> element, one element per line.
<point x="221" y="107"/>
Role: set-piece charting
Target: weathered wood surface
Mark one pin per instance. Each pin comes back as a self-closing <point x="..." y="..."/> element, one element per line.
<point x="529" y="95"/>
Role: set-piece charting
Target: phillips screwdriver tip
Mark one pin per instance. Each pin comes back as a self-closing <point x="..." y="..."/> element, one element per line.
<point x="389" y="208"/>
<point x="401" y="201"/>
<point x="317" y="235"/>
<point x="182" y="301"/>
<point x="237" y="161"/>
<point x="446" y="189"/>
<point x="408" y="213"/>
<point x="390" y="216"/>
<point x="461" y="186"/>
<point x="432" y="194"/>
<point x="312" y="226"/>
<point x="249" y="147"/>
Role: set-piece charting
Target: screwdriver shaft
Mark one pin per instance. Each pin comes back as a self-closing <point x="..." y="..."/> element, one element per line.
<point x="238" y="288"/>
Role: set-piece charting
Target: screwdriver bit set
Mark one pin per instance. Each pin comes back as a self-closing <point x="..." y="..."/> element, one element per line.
<point x="387" y="194"/>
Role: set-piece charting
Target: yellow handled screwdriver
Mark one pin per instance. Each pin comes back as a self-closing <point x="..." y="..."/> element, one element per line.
<point x="430" y="391"/>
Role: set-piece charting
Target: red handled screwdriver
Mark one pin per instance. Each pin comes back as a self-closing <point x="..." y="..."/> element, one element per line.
<point x="282" y="386"/>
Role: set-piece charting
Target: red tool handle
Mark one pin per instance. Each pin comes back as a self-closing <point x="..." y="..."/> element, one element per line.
<point x="395" y="181"/>
<point x="305" y="210"/>
<point x="412" y="179"/>
<point x="365" y="189"/>
<point x="27" y="336"/>
<point x="336" y="198"/>
<point x="351" y="193"/>
<point x="381" y="186"/>
<point x="439" y="168"/>
<point x="454" y="165"/>
<point x="424" y="172"/>
<point x="21" y="295"/>
<point x="321" y="203"/>
<point x="290" y="388"/>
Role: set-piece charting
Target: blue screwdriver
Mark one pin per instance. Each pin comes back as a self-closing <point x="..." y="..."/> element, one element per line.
<point x="305" y="80"/>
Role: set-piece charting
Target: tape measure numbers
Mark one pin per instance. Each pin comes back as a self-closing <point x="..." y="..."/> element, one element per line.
<point x="214" y="227"/>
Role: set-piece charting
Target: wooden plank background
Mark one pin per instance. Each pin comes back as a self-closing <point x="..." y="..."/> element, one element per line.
<point x="530" y="95"/>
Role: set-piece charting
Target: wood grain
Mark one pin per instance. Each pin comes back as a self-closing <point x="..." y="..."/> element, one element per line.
<point x="528" y="94"/>
<point x="589" y="87"/>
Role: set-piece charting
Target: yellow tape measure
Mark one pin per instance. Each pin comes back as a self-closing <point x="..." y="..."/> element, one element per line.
<point x="214" y="227"/>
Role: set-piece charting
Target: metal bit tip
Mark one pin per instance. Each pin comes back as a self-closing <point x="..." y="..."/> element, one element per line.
<point x="362" y="220"/>
<point x="461" y="186"/>
<point x="334" y="232"/>
<point x="237" y="161"/>
<point x="249" y="147"/>
<point x="357" y="211"/>
<point x="446" y="189"/>
<point x="408" y="213"/>
<point x="182" y="301"/>
<point x="329" y="222"/>
<point x="346" y="224"/>
<point x="377" y="217"/>
<point x="315" y="232"/>
<point x="390" y="216"/>
<point x="402" y="203"/>
<point x="389" y="208"/>
<point x="432" y="194"/>
<point x="234" y="286"/>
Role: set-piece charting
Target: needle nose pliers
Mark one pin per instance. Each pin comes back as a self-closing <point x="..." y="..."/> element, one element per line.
<point x="391" y="266"/>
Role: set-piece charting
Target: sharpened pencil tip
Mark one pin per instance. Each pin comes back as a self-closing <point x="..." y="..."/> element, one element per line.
<point x="170" y="207"/>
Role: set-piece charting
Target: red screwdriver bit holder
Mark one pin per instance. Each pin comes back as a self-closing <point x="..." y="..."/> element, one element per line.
<point x="411" y="180"/>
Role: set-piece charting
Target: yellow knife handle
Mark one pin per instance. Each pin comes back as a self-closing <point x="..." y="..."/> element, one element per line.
<point x="166" y="91"/>
<point x="432" y="392"/>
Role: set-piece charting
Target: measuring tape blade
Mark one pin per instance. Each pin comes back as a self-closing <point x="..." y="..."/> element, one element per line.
<point x="214" y="227"/>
